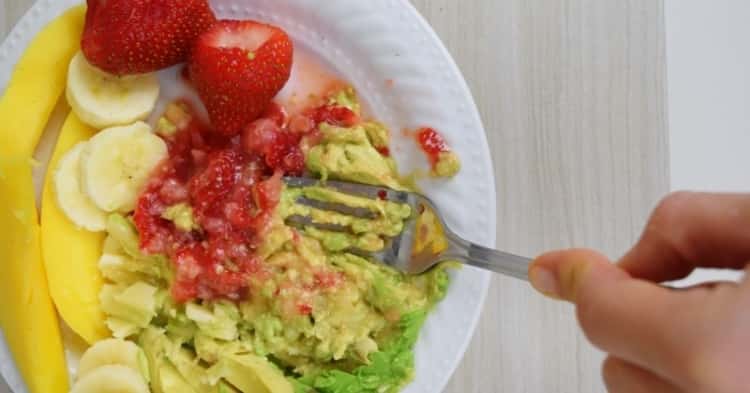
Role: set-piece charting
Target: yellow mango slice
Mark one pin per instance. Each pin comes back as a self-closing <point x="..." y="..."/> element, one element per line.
<point x="70" y="253"/>
<point x="37" y="83"/>
<point x="27" y="315"/>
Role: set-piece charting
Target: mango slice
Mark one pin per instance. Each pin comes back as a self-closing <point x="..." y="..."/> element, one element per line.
<point x="27" y="315"/>
<point x="70" y="253"/>
<point x="37" y="83"/>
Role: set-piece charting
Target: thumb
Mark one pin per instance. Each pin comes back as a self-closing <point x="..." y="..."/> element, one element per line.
<point x="561" y="274"/>
<point x="637" y="321"/>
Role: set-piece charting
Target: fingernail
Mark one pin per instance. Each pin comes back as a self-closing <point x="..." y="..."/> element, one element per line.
<point x="545" y="281"/>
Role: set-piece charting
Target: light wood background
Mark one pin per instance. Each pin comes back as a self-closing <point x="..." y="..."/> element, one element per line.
<point x="572" y="94"/>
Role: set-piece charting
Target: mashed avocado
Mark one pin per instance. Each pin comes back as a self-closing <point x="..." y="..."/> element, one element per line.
<point x="377" y="134"/>
<point x="447" y="165"/>
<point x="165" y="128"/>
<point x="365" y="324"/>
<point x="181" y="215"/>
<point x="349" y="154"/>
<point x="347" y="98"/>
<point x="317" y="318"/>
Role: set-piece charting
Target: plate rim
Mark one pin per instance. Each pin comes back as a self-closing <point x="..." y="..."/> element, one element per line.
<point x="466" y="90"/>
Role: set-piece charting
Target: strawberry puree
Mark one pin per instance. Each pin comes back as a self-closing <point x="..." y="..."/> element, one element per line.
<point x="232" y="195"/>
<point x="232" y="186"/>
<point x="232" y="183"/>
<point x="432" y="143"/>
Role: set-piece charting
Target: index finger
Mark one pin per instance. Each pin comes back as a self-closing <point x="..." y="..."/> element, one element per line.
<point x="689" y="230"/>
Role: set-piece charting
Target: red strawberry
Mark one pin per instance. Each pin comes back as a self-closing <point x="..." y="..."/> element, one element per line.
<point x="237" y="68"/>
<point x="126" y="37"/>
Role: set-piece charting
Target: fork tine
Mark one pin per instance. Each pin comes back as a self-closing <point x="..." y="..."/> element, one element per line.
<point x="362" y="190"/>
<point x="306" y="221"/>
<point x="300" y="181"/>
<point x="337" y="207"/>
<point x="395" y="244"/>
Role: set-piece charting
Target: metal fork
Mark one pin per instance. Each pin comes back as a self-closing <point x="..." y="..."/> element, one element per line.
<point x="400" y="251"/>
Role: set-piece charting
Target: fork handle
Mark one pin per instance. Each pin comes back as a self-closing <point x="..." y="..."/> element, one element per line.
<point x="489" y="259"/>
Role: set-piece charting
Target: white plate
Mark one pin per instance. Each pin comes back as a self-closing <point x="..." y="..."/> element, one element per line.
<point x="369" y="43"/>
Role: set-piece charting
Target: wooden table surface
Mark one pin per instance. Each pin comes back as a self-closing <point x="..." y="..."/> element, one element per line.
<point x="572" y="94"/>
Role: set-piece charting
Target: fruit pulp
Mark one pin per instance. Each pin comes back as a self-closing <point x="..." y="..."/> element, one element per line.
<point x="232" y="186"/>
<point x="224" y="187"/>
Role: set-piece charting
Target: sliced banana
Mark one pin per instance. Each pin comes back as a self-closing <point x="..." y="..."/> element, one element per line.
<point x="103" y="100"/>
<point x="121" y="328"/>
<point x="72" y="201"/>
<point x="112" y="246"/>
<point x="108" y="352"/>
<point x="111" y="379"/>
<point x="116" y="164"/>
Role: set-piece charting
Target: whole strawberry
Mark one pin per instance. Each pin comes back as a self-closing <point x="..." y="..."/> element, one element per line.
<point x="237" y="68"/>
<point x="125" y="37"/>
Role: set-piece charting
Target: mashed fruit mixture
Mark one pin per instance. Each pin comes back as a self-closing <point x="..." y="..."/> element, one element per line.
<point x="207" y="265"/>
<point x="208" y="287"/>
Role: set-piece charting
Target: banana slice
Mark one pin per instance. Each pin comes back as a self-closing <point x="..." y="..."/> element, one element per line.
<point x="74" y="203"/>
<point x="116" y="164"/>
<point x="109" y="352"/>
<point x="111" y="379"/>
<point x="112" y="246"/>
<point x="103" y="100"/>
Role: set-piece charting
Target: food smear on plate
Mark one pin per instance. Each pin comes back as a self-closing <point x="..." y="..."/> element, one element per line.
<point x="209" y="283"/>
<point x="310" y="81"/>
<point x="443" y="161"/>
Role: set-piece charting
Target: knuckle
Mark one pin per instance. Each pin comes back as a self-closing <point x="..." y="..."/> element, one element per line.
<point x="666" y="225"/>
<point x="671" y="207"/>
<point x="610" y="369"/>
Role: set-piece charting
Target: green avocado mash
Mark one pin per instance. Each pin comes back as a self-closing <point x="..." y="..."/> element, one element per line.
<point x="447" y="165"/>
<point x="377" y="134"/>
<point x="347" y="98"/>
<point x="349" y="154"/>
<point x="319" y="318"/>
<point x="181" y="215"/>
<point x="165" y="128"/>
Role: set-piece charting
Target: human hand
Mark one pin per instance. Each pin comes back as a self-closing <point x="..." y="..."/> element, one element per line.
<point x="659" y="339"/>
